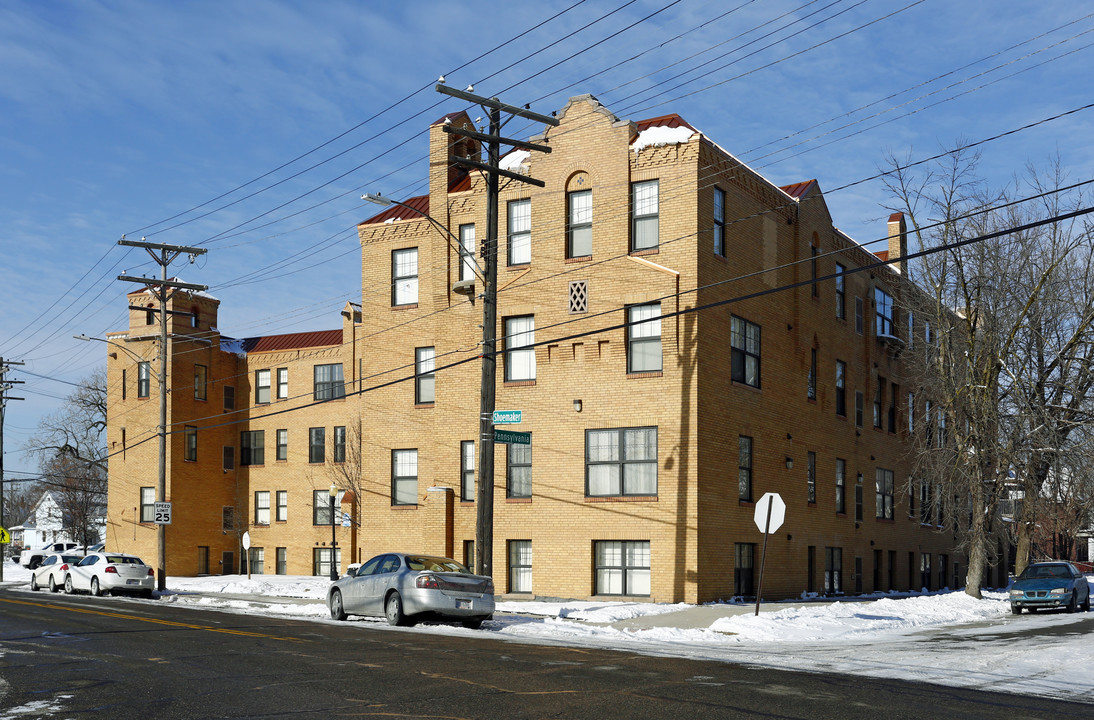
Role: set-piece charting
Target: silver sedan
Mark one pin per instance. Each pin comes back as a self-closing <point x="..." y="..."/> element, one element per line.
<point x="405" y="588"/>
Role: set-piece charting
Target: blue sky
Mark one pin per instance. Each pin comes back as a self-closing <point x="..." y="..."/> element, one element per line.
<point x="116" y="117"/>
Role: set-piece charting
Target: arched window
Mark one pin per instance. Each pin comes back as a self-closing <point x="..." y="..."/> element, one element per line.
<point x="150" y="316"/>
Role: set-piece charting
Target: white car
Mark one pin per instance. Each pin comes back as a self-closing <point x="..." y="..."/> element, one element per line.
<point x="102" y="573"/>
<point x="32" y="557"/>
<point x="51" y="572"/>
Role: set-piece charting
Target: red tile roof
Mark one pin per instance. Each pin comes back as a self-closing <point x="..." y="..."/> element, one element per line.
<point x="293" y="341"/>
<point x="798" y="189"/>
<point x="673" y="121"/>
<point x="398" y="212"/>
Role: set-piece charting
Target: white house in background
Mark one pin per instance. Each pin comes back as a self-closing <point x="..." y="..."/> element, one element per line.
<point x="43" y="526"/>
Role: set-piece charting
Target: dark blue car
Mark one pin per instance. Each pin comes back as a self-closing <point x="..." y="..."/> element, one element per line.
<point x="1050" y="585"/>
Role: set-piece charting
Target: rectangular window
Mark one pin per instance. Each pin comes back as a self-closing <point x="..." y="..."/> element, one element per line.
<point x="841" y="388"/>
<point x="924" y="502"/>
<point x="148" y="504"/>
<point x="719" y="222"/>
<point x="811" y="389"/>
<point x="227" y="518"/>
<point x="252" y="447"/>
<point x="520" y="566"/>
<point x="744" y="340"/>
<point x="201" y="379"/>
<point x="258" y="560"/>
<point x="858" y="499"/>
<point x="424" y="379"/>
<point x="282" y="561"/>
<point x="520" y="356"/>
<point x="228" y="458"/>
<point x="283" y="444"/>
<point x="878" y="391"/>
<point x="911" y="329"/>
<point x="262" y="507"/>
<point x="518" y="479"/>
<point x="579" y="231"/>
<point x="323" y="508"/>
<point x="811" y="477"/>
<point x="622" y="567"/>
<point x="404" y="477"/>
<point x="621" y="462"/>
<point x="339" y="443"/>
<point x="925" y="570"/>
<point x="467" y="470"/>
<point x="833" y="570"/>
<point x="190" y="435"/>
<point x="744" y="468"/>
<point x="644" y="213"/>
<point x="282" y="383"/>
<point x="317" y="445"/>
<point x="894" y="391"/>
<point x="883" y="302"/>
<point x="744" y="562"/>
<point x="404" y="277"/>
<point x="644" y="338"/>
<point x="321" y="561"/>
<point x="229" y="398"/>
<point x="282" y="505"/>
<point x="144" y="379"/>
<point x="841" y="486"/>
<point x="841" y="292"/>
<point x="467" y="252"/>
<point x="884" y="482"/>
<point x="860" y="400"/>
<point x="813" y="253"/>
<point x="520" y="232"/>
<point x="911" y="413"/>
<point x="328" y="382"/>
<point x="262" y="387"/>
<point x="124" y="383"/>
<point x="859" y="312"/>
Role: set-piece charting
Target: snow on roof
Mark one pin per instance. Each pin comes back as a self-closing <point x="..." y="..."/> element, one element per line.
<point x="512" y="161"/>
<point x="662" y="135"/>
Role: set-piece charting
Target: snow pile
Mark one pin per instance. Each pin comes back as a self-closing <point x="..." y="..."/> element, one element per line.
<point x="596" y="612"/>
<point x="662" y="135"/>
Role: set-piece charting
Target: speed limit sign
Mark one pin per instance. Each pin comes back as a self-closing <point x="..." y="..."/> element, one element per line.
<point x="162" y="512"/>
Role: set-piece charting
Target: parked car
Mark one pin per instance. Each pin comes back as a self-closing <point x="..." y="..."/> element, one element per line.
<point x="1050" y="585"/>
<point x="50" y="573"/>
<point x="103" y="573"/>
<point x="32" y="557"/>
<point x="405" y="588"/>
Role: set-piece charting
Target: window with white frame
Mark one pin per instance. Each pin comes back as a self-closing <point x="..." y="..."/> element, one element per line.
<point x="744" y="340"/>
<point x="622" y="567"/>
<point x="321" y="561"/>
<point x="520" y="356"/>
<point x="144" y="379"/>
<point x="719" y="222"/>
<point x="339" y="443"/>
<point x="404" y="477"/>
<point x="644" y="215"/>
<point x="520" y="232"/>
<point x="258" y="560"/>
<point x="579" y="229"/>
<point x="282" y="383"/>
<point x="282" y="561"/>
<point x="884" y="483"/>
<point x="841" y="292"/>
<point x="328" y="382"/>
<point x="283" y="444"/>
<point x="404" y="277"/>
<point x="148" y="504"/>
<point x="833" y="570"/>
<point x="424" y="379"/>
<point x="883" y="302"/>
<point x="644" y="338"/>
<point x="262" y="507"/>
<point x="323" y="508"/>
<point x="467" y="470"/>
<point x="520" y="566"/>
<point x="841" y="486"/>
<point x="841" y="388"/>
<point x="282" y="505"/>
<point x="621" y="462"/>
<point x="518" y="474"/>
<point x="744" y="468"/>
<point x="190" y="436"/>
<point x="201" y="380"/>
<point x="467" y="251"/>
<point x="262" y="386"/>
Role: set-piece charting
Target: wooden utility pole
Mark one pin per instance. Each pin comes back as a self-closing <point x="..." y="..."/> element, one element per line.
<point x="5" y="385"/>
<point x="162" y="290"/>
<point x="484" y="525"/>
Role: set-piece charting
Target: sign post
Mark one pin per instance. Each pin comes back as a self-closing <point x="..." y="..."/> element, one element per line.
<point x="769" y="515"/>
<point x="246" y="542"/>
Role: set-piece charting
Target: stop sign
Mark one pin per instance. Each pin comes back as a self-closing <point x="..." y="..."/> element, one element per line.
<point x="774" y="503"/>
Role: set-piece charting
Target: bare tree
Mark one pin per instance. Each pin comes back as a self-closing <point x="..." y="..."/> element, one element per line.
<point x="71" y="449"/>
<point x="1004" y="377"/>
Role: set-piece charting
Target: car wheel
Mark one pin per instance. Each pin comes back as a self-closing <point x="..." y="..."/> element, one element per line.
<point x="34" y="584"/>
<point x="95" y="587"/>
<point x="146" y="594"/>
<point x="1073" y="604"/>
<point x="35" y="563"/>
<point x="337" y="612"/>
<point x="1016" y="609"/>
<point x="1086" y="603"/>
<point x="53" y="584"/>
<point x="393" y="610"/>
<point x="68" y="585"/>
<point x="473" y="623"/>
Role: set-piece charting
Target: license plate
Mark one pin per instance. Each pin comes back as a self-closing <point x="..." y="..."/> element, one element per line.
<point x="131" y="582"/>
<point x="463" y="604"/>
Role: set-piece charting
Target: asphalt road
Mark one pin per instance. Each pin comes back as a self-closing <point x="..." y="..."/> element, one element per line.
<point x="68" y="657"/>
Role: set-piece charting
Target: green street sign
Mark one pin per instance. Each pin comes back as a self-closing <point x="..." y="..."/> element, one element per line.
<point x="512" y="437"/>
<point x="506" y="417"/>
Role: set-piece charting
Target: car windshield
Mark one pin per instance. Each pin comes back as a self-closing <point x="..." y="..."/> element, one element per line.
<point x="434" y="564"/>
<point x="1045" y="571"/>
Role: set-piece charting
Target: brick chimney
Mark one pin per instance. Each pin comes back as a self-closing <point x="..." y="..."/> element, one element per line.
<point x="898" y="242"/>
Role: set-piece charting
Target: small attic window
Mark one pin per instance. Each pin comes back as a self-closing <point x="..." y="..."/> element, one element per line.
<point x="149" y="316"/>
<point x="195" y="316"/>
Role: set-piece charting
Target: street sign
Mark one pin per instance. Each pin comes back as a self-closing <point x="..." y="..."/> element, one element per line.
<point x="778" y="512"/>
<point x="162" y="513"/>
<point x="5" y="537"/>
<point x="506" y="417"/>
<point x="246" y="541"/>
<point x="512" y="437"/>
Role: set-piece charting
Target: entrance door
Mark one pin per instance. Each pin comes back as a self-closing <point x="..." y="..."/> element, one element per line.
<point x="227" y="563"/>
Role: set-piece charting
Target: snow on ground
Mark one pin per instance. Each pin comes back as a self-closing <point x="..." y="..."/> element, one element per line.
<point x="946" y="638"/>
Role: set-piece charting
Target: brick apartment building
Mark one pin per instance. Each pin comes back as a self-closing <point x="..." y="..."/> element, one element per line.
<point x="670" y="356"/>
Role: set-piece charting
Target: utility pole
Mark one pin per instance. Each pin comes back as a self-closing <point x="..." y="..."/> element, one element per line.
<point x="5" y="385"/>
<point x="484" y="525"/>
<point x="162" y="290"/>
